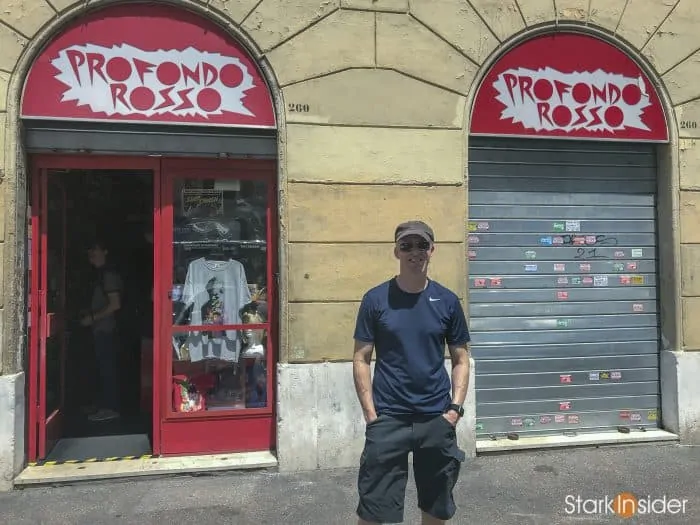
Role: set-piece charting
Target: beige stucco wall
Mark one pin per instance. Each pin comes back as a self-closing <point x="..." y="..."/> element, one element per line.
<point x="388" y="85"/>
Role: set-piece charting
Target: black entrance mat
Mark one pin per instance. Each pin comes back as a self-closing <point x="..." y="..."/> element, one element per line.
<point x="100" y="447"/>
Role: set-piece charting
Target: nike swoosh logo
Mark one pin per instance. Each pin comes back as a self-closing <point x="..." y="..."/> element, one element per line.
<point x="432" y="300"/>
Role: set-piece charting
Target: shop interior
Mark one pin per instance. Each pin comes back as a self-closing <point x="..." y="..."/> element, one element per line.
<point x="116" y="208"/>
<point x="219" y="277"/>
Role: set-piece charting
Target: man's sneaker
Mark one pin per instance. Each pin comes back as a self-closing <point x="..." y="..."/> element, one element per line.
<point x="104" y="414"/>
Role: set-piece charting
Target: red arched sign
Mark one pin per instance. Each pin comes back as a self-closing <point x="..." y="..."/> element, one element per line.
<point x="568" y="85"/>
<point x="147" y="63"/>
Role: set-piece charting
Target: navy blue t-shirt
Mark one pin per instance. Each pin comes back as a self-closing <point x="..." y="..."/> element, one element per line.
<point x="409" y="332"/>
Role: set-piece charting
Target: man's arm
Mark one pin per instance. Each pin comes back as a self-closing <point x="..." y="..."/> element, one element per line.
<point x="111" y="286"/>
<point x="114" y="304"/>
<point x="362" y="375"/>
<point x="458" y="343"/>
<point x="460" y="372"/>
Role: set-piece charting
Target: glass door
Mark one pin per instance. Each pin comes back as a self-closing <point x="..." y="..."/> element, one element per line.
<point x="217" y="285"/>
<point x="47" y="312"/>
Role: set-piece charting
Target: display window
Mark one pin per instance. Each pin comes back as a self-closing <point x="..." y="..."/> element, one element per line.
<point x="221" y="268"/>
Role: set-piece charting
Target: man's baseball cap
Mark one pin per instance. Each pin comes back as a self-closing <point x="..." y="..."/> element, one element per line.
<point x="414" y="228"/>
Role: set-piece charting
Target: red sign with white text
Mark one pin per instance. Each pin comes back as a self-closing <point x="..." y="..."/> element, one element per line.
<point x="147" y="63"/>
<point x="568" y="85"/>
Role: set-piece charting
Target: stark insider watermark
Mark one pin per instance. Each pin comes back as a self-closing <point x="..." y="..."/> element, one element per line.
<point x="624" y="505"/>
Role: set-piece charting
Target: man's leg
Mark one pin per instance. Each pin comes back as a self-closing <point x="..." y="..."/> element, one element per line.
<point x="436" y="464"/>
<point x="107" y="362"/>
<point x="383" y="474"/>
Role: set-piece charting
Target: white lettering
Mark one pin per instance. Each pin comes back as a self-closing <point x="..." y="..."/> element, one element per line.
<point x="546" y="99"/>
<point x="629" y="507"/>
<point x="124" y="80"/>
<point x="570" y="504"/>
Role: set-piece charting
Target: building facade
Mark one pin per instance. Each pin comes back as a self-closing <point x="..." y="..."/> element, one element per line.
<point x="516" y="128"/>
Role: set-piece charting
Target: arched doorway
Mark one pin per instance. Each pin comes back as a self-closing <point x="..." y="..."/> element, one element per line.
<point x="563" y="245"/>
<point x="151" y="136"/>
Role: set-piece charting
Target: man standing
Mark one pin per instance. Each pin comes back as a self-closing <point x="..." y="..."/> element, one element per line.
<point x="409" y="407"/>
<point x="106" y="301"/>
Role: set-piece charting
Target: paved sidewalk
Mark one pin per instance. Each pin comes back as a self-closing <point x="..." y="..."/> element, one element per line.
<point x="519" y="488"/>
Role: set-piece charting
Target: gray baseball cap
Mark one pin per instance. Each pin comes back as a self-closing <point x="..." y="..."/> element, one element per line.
<point x="414" y="228"/>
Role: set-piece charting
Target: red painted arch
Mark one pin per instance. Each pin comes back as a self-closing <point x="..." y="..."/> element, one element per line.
<point x="151" y="64"/>
<point x="568" y="85"/>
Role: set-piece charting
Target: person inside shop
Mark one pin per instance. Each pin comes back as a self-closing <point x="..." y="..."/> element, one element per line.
<point x="101" y="318"/>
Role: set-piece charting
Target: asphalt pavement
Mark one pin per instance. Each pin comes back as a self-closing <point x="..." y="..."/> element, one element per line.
<point x="526" y="488"/>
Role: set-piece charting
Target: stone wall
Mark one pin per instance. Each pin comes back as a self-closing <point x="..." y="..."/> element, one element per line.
<point x="376" y="96"/>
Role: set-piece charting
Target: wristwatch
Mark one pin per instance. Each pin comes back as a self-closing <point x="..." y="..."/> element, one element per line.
<point x="457" y="408"/>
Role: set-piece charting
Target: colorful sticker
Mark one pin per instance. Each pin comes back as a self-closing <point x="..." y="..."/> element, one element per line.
<point x="479" y="283"/>
<point x="574" y="419"/>
<point x="616" y="375"/>
<point x="564" y="405"/>
<point x="531" y="254"/>
<point x="473" y="239"/>
<point x="482" y="226"/>
<point x="496" y="281"/>
<point x="593" y="376"/>
<point x="573" y="226"/>
<point x="591" y="239"/>
<point x="516" y="422"/>
<point x="562" y="295"/>
<point x="624" y="414"/>
<point x="635" y="417"/>
<point x="530" y="267"/>
<point x="600" y="280"/>
<point x="562" y="323"/>
<point x="652" y="415"/>
<point x="585" y="267"/>
<point x="529" y="422"/>
<point x="619" y="267"/>
<point x="472" y="226"/>
<point x="565" y="378"/>
<point x="472" y="254"/>
<point x="562" y="280"/>
<point x="558" y="227"/>
<point x="605" y="375"/>
<point x="619" y="254"/>
<point x="638" y="279"/>
<point x="559" y="267"/>
<point x="588" y="280"/>
<point x="625" y="279"/>
<point x="638" y="307"/>
<point x="558" y="240"/>
<point x="559" y="418"/>
<point x="545" y="420"/>
<point x="632" y="266"/>
<point x="579" y="241"/>
<point x="637" y="252"/>
<point x="575" y="280"/>
<point x="546" y="241"/>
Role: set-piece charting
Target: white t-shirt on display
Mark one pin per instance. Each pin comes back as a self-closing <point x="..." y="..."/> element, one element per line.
<point x="216" y="291"/>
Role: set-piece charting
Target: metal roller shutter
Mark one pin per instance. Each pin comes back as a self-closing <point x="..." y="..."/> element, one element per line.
<point x="562" y="276"/>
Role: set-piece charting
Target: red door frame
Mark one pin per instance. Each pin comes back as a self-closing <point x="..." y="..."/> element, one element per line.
<point x="39" y="163"/>
<point x="45" y="429"/>
<point x="178" y="425"/>
<point x="207" y="432"/>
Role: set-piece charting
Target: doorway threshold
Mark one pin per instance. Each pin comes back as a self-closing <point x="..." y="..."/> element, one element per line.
<point x="487" y="446"/>
<point x="56" y="474"/>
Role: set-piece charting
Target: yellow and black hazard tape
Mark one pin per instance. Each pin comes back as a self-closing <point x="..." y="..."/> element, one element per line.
<point x="51" y="463"/>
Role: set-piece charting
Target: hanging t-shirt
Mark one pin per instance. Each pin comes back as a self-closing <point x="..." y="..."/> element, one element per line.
<point x="216" y="291"/>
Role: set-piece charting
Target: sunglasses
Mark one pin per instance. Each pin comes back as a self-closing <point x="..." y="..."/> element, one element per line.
<point x="408" y="246"/>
